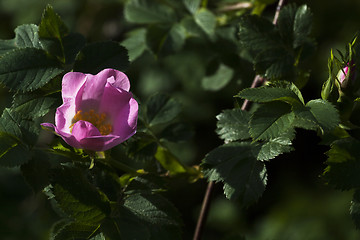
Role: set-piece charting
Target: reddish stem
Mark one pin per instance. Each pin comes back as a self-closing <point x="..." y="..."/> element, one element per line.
<point x="258" y="81"/>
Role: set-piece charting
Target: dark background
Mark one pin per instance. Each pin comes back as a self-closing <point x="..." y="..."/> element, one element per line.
<point x="297" y="204"/>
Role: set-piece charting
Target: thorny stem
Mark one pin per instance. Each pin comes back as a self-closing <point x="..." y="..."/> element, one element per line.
<point x="258" y="81"/>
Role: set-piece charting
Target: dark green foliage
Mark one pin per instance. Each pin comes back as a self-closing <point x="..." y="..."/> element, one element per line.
<point x="343" y="163"/>
<point x="235" y="165"/>
<point x="161" y="109"/>
<point x="276" y="50"/>
<point x="97" y="56"/>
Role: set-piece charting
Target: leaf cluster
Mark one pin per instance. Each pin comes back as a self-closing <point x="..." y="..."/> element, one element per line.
<point x="261" y="135"/>
<point x="278" y="50"/>
<point x="112" y="195"/>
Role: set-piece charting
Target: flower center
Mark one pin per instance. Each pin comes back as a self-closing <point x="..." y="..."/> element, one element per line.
<point x="98" y="120"/>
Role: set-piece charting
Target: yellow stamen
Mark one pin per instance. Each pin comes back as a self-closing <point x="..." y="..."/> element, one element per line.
<point x="98" y="120"/>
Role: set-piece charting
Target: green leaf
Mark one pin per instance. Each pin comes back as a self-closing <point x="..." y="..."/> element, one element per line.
<point x="33" y="105"/>
<point x="51" y="25"/>
<point x="135" y="43"/>
<point x="97" y="56"/>
<point x="274" y="147"/>
<point x="320" y="112"/>
<point x="177" y="132"/>
<point x="343" y="164"/>
<point x="13" y="123"/>
<point x="206" y="21"/>
<point x="125" y="226"/>
<point x="148" y="11"/>
<point x="12" y="152"/>
<point x="269" y="94"/>
<point x="192" y="5"/>
<point x="161" y="109"/>
<point x="36" y="171"/>
<point x="271" y="120"/>
<point x="355" y="209"/>
<point x="6" y="46"/>
<point x="275" y="63"/>
<point x="258" y="34"/>
<point x="169" y="161"/>
<point x="236" y="166"/>
<point x="233" y="125"/>
<point x="153" y="209"/>
<point x="73" y="230"/>
<point x="77" y="197"/>
<point x="27" y="69"/>
<point x="219" y="79"/>
<point x="27" y="36"/>
<point x="302" y="26"/>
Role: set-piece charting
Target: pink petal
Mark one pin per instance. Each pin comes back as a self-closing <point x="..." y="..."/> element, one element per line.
<point x="68" y="138"/>
<point x="71" y="84"/>
<point x="64" y="115"/>
<point x="101" y="143"/>
<point x="122" y="109"/>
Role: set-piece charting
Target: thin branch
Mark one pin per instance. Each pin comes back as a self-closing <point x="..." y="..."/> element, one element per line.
<point x="237" y="6"/>
<point x="258" y="81"/>
<point x="203" y="212"/>
<point x="278" y="8"/>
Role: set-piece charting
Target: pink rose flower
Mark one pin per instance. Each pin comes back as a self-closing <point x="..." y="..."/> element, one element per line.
<point x="98" y="111"/>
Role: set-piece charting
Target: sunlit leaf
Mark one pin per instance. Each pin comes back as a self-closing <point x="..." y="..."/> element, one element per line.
<point x="135" y="43"/>
<point x="233" y="125"/>
<point x="27" y="36"/>
<point x="271" y="120"/>
<point x="27" y="69"/>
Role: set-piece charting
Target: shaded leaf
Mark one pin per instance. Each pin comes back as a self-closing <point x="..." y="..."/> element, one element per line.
<point x="77" y="197"/>
<point x="206" y="20"/>
<point x="6" y="46"/>
<point x="233" y="125"/>
<point x="27" y="69"/>
<point x="148" y="11"/>
<point x="161" y="109"/>
<point x="125" y="226"/>
<point x="192" y="5"/>
<point x="177" y="132"/>
<point x="73" y="230"/>
<point x="219" y="79"/>
<point x="355" y="209"/>
<point x="36" y="171"/>
<point x="97" y="56"/>
<point x="236" y="166"/>
<point x="51" y="25"/>
<point x="152" y="209"/>
<point x="343" y="164"/>
<point x="12" y="152"/>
